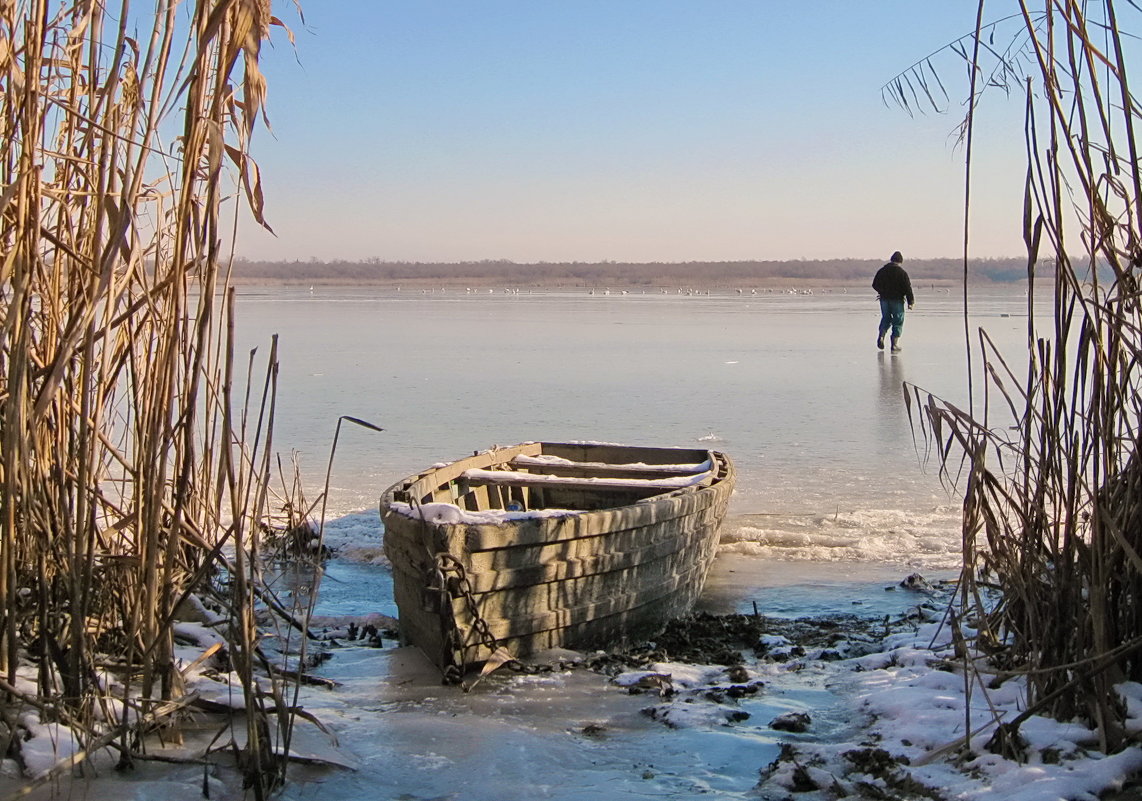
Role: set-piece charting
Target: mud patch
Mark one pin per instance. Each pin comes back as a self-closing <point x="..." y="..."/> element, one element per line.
<point x="732" y="640"/>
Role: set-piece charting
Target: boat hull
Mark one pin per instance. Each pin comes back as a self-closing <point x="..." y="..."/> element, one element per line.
<point x="609" y="544"/>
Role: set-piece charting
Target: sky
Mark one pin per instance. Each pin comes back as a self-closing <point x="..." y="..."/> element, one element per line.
<point x="639" y="130"/>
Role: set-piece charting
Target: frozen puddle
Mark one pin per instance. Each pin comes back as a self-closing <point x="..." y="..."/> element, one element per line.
<point x="577" y="734"/>
<point x="564" y="735"/>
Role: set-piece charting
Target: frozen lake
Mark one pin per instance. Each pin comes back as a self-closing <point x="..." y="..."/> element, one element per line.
<point x="833" y="503"/>
<point x="791" y="386"/>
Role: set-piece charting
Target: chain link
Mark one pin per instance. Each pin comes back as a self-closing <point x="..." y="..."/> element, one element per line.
<point x="448" y="567"/>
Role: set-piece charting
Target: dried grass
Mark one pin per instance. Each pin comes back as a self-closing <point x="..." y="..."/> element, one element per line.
<point x="1053" y="504"/>
<point x="127" y="464"/>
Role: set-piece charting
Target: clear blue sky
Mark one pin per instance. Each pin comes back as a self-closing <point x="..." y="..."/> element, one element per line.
<point x="644" y="130"/>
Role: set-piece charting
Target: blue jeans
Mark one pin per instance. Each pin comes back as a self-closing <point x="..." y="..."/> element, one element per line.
<point x="891" y="316"/>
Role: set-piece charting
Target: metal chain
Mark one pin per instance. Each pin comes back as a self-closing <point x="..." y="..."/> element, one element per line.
<point x="444" y="566"/>
<point x="446" y="563"/>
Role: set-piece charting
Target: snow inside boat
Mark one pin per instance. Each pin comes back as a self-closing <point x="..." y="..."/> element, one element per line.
<point x="543" y="545"/>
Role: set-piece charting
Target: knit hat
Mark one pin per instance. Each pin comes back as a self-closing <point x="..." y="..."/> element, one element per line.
<point x="896" y="257"/>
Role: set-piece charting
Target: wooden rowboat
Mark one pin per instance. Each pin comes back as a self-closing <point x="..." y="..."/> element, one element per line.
<point x="544" y="545"/>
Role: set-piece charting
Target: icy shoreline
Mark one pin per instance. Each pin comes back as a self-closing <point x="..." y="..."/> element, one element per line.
<point x="812" y="710"/>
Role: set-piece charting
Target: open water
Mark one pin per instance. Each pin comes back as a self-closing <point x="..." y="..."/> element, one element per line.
<point x="835" y="498"/>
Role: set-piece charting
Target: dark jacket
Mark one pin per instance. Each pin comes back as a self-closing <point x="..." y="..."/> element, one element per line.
<point x="891" y="283"/>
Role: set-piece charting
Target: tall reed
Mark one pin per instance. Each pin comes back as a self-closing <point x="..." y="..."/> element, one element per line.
<point x="127" y="466"/>
<point x="1049" y="450"/>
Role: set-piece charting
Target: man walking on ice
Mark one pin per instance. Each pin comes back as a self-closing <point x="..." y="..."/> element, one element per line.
<point x="892" y="285"/>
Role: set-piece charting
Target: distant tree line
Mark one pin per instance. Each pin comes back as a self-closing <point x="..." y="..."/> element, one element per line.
<point x="612" y="273"/>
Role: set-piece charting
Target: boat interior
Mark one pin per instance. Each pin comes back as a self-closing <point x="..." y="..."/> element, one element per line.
<point x="551" y="476"/>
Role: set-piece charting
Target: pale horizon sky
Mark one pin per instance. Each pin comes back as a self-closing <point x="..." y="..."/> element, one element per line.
<point x="632" y="131"/>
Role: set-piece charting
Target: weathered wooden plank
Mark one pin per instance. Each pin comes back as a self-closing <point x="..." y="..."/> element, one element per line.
<point x="418" y="625"/>
<point x="597" y="483"/>
<point x="508" y="567"/>
<point x="594" y="624"/>
<point x="534" y="601"/>
<point x="622" y="454"/>
<point x="423" y="488"/>
<point x="575" y="470"/>
<point x="557" y="529"/>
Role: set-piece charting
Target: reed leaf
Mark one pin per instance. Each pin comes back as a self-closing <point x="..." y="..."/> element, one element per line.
<point x="1054" y="479"/>
<point x="125" y="488"/>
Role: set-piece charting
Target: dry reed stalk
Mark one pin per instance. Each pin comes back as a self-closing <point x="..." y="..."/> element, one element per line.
<point x="122" y="475"/>
<point x="1053" y="503"/>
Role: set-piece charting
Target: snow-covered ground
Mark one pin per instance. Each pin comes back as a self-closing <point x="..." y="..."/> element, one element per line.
<point x="917" y="708"/>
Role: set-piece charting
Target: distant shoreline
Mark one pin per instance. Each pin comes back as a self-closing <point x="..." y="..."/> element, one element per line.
<point x="428" y="284"/>
<point x="632" y="276"/>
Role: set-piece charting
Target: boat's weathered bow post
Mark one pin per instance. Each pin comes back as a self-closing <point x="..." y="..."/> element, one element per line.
<point x="447" y="579"/>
